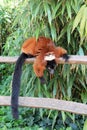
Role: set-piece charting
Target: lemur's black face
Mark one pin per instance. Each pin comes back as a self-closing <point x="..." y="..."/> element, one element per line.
<point x="51" y="65"/>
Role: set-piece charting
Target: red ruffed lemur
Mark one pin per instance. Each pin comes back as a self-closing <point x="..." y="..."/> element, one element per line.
<point x="46" y="54"/>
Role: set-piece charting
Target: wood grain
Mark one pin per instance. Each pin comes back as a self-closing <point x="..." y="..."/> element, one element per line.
<point x="74" y="59"/>
<point x="48" y="103"/>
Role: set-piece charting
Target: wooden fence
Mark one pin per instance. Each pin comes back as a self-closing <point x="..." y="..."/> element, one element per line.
<point x="48" y="103"/>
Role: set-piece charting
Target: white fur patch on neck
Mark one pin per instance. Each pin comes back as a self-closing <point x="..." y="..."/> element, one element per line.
<point x="49" y="57"/>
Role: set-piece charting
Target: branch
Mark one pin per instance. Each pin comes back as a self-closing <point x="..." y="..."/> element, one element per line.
<point x="49" y="103"/>
<point x="74" y="59"/>
<point x="8" y="59"/>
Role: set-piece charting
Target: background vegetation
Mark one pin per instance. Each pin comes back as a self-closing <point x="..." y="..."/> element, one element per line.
<point x="64" y="21"/>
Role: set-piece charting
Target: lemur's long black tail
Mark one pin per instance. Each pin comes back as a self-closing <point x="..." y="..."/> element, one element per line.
<point x="16" y="84"/>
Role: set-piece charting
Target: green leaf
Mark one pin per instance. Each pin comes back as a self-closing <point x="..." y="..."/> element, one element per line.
<point x="85" y="125"/>
<point x="83" y="84"/>
<point x="81" y="52"/>
<point x="55" y="10"/>
<point x="68" y="34"/>
<point x="53" y="32"/>
<point x="86" y="29"/>
<point x="78" y="17"/>
<point x="37" y="10"/>
<point x="69" y="128"/>
<point x="49" y="13"/>
<point x="82" y="25"/>
<point x="37" y="32"/>
<point x="54" y="120"/>
<point x="84" y="97"/>
<point x="62" y="32"/>
<point x="63" y="116"/>
<point x="68" y="5"/>
<point x="45" y="7"/>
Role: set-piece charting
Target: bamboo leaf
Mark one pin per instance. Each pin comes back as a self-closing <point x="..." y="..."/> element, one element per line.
<point x="62" y="32"/>
<point x="68" y="128"/>
<point x="63" y="7"/>
<point x="70" y="84"/>
<point x="81" y="52"/>
<point x="68" y="34"/>
<point x="68" y="6"/>
<point x="84" y="97"/>
<point x="82" y="25"/>
<point x="55" y="10"/>
<point x="54" y="120"/>
<point x="63" y="116"/>
<point x="45" y="9"/>
<point x="53" y="32"/>
<point x="37" y="10"/>
<point x="86" y="28"/>
<point x="83" y="68"/>
<point x="78" y="17"/>
<point x="85" y="125"/>
<point x="86" y="21"/>
<point x="49" y="14"/>
<point x="37" y="32"/>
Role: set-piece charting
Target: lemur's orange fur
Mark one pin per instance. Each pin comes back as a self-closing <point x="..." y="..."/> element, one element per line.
<point x="39" y="48"/>
<point x="33" y="46"/>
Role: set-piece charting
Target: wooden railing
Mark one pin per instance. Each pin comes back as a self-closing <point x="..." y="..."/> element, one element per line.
<point x="49" y="103"/>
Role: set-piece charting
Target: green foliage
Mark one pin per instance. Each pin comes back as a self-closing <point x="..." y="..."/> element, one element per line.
<point x="64" y="21"/>
<point x="85" y="125"/>
<point x="81" y="19"/>
<point x="31" y="120"/>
